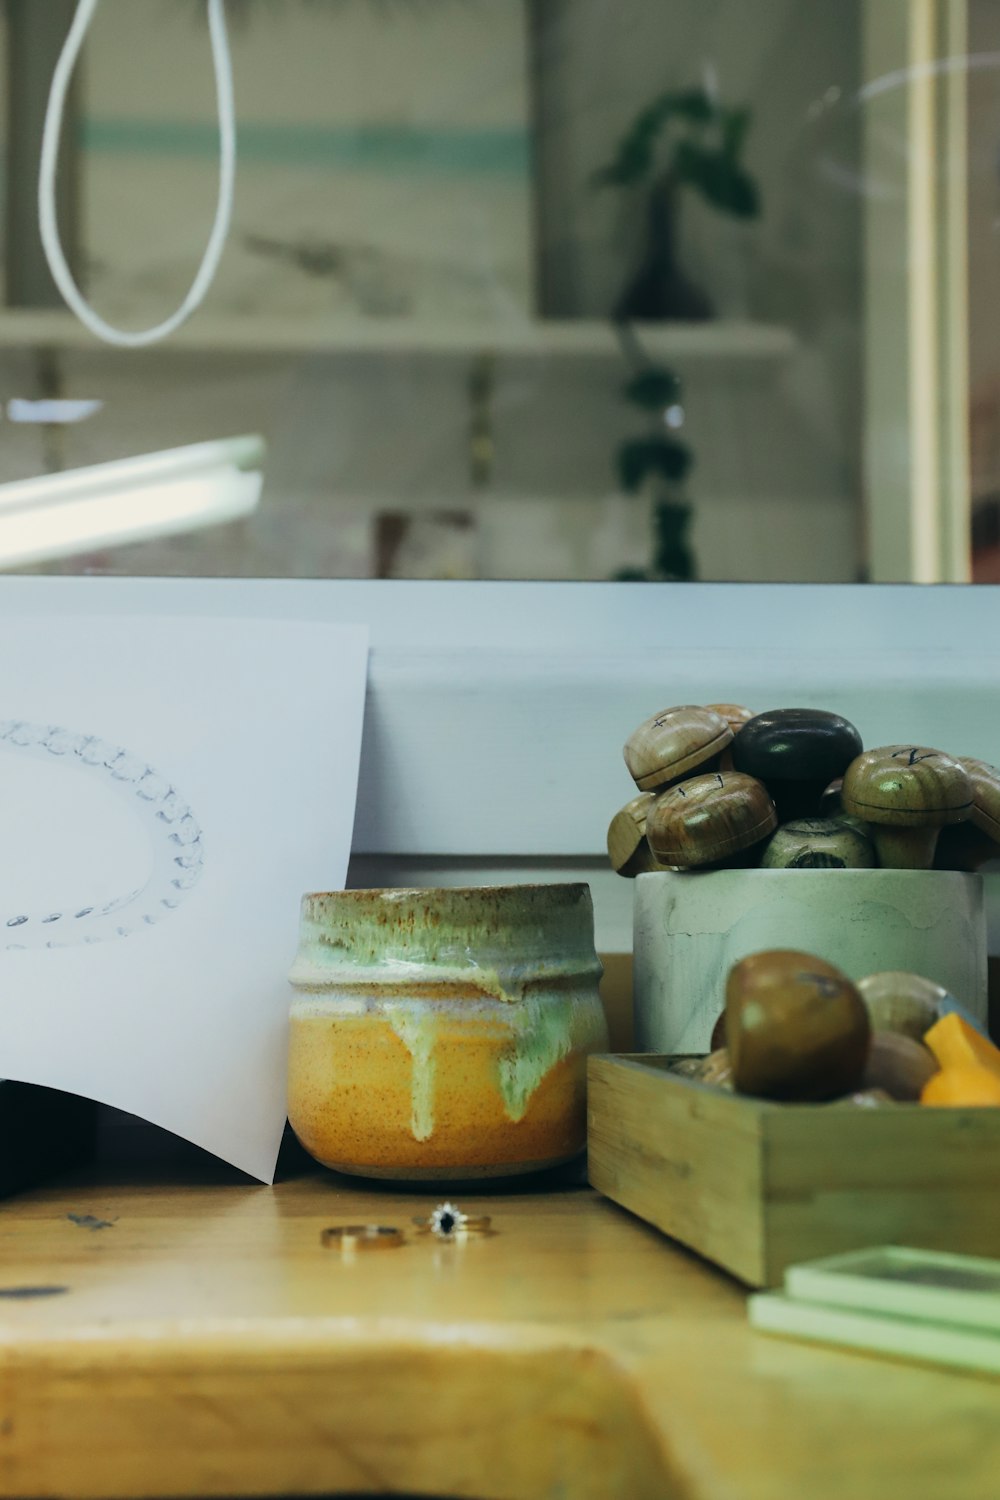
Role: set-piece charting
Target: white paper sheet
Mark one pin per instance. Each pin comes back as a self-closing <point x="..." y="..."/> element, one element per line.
<point x="168" y="790"/>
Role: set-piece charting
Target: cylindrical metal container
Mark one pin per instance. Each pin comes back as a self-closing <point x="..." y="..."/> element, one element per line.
<point x="443" y="1034"/>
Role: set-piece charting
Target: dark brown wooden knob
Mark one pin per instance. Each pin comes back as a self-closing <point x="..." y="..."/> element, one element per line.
<point x="907" y="793"/>
<point x="796" y="752"/>
<point x="796" y="1027"/>
<point x="708" y="819"/>
<point x="628" y="850"/>
<point x="818" y="844"/>
<point x="676" y="743"/>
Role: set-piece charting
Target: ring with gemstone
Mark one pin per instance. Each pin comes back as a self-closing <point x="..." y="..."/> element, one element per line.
<point x="449" y="1222"/>
<point x="363" y="1236"/>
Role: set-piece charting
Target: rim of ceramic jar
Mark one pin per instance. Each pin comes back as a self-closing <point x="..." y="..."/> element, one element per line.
<point x="402" y="892"/>
<point x="504" y="934"/>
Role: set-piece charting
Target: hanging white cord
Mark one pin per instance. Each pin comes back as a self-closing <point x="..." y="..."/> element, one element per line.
<point x="47" y="219"/>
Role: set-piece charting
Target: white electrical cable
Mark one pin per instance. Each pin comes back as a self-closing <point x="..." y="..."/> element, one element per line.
<point x="48" y="223"/>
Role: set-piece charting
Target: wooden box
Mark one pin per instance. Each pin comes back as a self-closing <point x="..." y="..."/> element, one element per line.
<point x="756" y="1186"/>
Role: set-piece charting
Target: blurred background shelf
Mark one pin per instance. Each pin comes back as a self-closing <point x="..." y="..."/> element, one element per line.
<point x="572" y="338"/>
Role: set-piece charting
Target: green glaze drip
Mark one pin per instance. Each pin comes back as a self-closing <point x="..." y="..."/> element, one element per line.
<point x="545" y="1035"/>
<point x="415" y="1025"/>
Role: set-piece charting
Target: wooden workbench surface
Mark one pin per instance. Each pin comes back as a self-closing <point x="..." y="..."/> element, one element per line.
<point x="207" y="1344"/>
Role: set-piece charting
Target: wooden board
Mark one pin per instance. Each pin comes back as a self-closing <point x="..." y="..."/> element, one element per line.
<point x="756" y="1187"/>
<point x="207" y="1345"/>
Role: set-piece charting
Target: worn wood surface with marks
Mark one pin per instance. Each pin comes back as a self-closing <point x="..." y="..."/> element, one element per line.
<point x="206" y="1344"/>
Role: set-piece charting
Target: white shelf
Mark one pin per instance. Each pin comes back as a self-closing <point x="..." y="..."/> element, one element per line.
<point x="576" y="338"/>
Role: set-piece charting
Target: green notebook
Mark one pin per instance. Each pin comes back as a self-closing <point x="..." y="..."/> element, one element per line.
<point x="914" y="1304"/>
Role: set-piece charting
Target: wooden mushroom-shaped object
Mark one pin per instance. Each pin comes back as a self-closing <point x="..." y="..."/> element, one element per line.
<point x="716" y="1069"/>
<point x="676" y="743"/>
<point x="985" y="780"/>
<point x="709" y="819"/>
<point x="735" y="716"/>
<point x="899" y="1065"/>
<point x="896" y="1001"/>
<point x="829" y="802"/>
<point x="818" y="844"/>
<point x="628" y="851"/>
<point x="968" y="846"/>
<point x="907" y="793"/>
<point x="796" y="1027"/>
<point x="796" y="752"/>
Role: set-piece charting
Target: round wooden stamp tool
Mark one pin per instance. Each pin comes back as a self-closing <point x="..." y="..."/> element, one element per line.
<point x="676" y="743"/>
<point x="899" y="1065"/>
<point x="796" y="752"/>
<point x="628" y="851"/>
<point x="907" y="793"/>
<point x="709" y="819"/>
<point x="818" y="844"/>
<point x="985" y="780"/>
<point x="735" y="716"/>
<point x="968" y="846"/>
<point x="796" y="1027"/>
<point x="908" y="1004"/>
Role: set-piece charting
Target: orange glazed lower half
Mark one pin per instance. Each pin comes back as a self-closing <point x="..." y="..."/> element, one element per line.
<point x="405" y="1086"/>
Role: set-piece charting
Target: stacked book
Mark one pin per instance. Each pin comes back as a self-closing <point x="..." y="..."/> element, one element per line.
<point x="913" y="1304"/>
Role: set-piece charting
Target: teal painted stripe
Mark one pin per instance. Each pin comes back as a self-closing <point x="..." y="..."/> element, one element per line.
<point x="366" y="148"/>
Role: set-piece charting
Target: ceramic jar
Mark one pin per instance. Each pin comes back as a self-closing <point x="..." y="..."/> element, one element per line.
<point x="444" y="1033"/>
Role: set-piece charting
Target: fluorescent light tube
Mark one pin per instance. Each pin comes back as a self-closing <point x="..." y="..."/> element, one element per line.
<point x="104" y="505"/>
<point x="58" y="413"/>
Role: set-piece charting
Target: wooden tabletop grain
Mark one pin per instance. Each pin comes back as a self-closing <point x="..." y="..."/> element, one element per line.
<point x="204" y="1342"/>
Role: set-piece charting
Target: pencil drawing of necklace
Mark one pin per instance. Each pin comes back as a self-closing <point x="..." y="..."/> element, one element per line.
<point x="175" y="836"/>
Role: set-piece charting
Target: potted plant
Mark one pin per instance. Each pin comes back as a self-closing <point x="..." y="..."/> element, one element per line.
<point x="682" y="139"/>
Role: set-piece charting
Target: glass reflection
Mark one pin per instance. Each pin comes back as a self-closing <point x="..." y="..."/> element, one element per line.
<point x="561" y="289"/>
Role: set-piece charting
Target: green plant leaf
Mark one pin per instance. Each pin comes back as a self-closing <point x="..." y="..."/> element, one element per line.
<point x="734" y="129"/>
<point x="641" y="457"/>
<point x="631" y="164"/>
<point x="634" y="158"/>
<point x="707" y="159"/>
<point x="654" y="389"/>
<point x="734" y="190"/>
<point x="694" y="105"/>
<point x="673" y="556"/>
<point x="719" y="179"/>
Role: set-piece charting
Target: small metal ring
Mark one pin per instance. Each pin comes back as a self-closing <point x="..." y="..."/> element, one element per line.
<point x="448" y="1222"/>
<point x="363" y="1236"/>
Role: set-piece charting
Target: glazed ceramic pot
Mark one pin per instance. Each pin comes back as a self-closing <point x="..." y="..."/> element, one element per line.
<point x="444" y="1033"/>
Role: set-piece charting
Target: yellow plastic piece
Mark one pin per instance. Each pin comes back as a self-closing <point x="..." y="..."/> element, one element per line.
<point x="957" y="1044"/>
<point x="962" y="1085"/>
